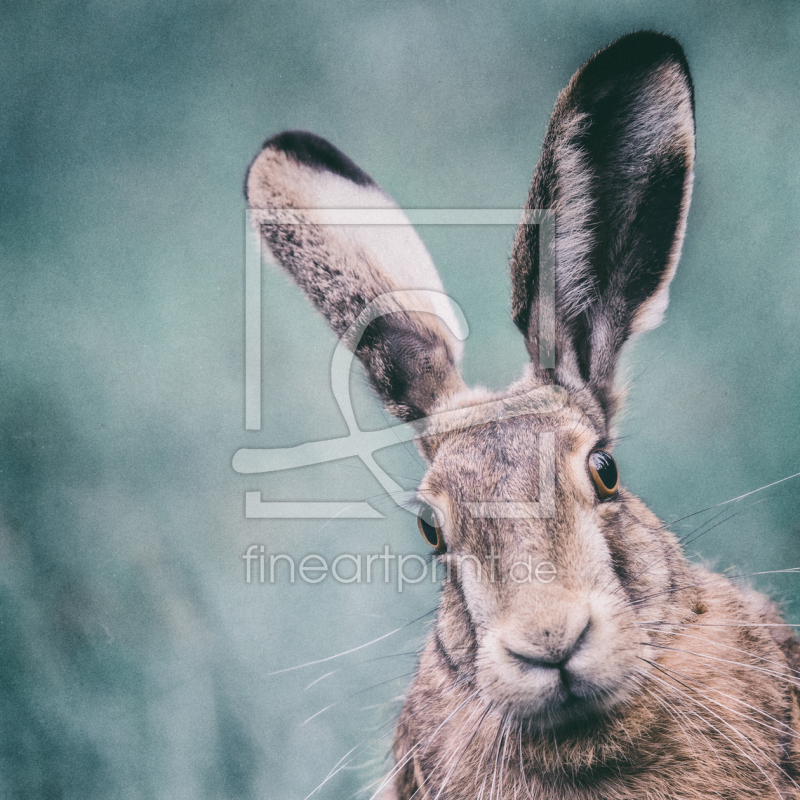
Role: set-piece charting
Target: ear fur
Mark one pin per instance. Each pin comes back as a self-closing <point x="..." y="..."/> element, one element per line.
<point x="616" y="168"/>
<point x="345" y="261"/>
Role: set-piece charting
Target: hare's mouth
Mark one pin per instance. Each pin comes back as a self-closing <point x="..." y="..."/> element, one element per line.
<point x="548" y="693"/>
<point x="560" y="705"/>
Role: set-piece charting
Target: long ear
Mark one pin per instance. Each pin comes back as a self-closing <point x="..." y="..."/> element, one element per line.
<point x="616" y="168"/>
<point x="345" y="260"/>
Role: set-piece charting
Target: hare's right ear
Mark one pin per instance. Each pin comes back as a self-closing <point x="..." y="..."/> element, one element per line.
<point x="616" y="169"/>
<point x="303" y="192"/>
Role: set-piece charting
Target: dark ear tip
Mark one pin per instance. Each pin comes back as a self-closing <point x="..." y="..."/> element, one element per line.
<point x="645" y="48"/>
<point x="319" y="154"/>
<point x="638" y="52"/>
<point x="292" y="141"/>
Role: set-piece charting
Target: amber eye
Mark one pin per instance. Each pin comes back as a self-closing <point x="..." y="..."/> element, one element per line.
<point x="604" y="473"/>
<point x="430" y="529"/>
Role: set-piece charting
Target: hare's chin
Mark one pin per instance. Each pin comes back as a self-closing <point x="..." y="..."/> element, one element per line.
<point x="562" y="713"/>
<point x="552" y="704"/>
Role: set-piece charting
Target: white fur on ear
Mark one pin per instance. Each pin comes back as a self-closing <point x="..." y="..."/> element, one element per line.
<point x="350" y="248"/>
<point x="384" y="233"/>
<point x="670" y="117"/>
<point x="362" y="227"/>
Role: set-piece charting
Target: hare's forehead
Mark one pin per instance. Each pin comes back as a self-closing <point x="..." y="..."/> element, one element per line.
<point x="508" y="448"/>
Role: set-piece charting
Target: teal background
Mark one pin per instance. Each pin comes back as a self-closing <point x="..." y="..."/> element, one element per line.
<point x="134" y="659"/>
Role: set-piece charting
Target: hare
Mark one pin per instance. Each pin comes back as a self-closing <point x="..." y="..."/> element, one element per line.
<point x="624" y="671"/>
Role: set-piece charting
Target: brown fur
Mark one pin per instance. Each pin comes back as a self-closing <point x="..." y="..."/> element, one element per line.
<point x="715" y="714"/>
<point x="632" y="673"/>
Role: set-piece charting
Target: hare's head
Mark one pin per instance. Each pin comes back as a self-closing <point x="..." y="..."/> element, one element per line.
<point x="551" y="563"/>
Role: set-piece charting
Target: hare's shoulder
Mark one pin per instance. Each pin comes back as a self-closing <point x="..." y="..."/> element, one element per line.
<point x="746" y="612"/>
<point x="768" y="614"/>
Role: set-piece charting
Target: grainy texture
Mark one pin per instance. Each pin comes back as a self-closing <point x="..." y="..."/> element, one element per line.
<point x="631" y="674"/>
<point x="616" y="168"/>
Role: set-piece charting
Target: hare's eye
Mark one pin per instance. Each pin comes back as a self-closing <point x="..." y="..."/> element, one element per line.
<point x="604" y="473"/>
<point x="430" y="529"/>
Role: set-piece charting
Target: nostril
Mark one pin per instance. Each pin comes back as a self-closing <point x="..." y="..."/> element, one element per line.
<point x="582" y="637"/>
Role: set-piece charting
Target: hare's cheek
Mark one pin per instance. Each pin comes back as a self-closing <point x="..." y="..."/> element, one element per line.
<point x="477" y="589"/>
<point x="454" y="628"/>
<point x="604" y="666"/>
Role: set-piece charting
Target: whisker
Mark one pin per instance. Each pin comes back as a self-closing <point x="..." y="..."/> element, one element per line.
<point x="463" y="749"/>
<point x="322" y="711"/>
<point x="321" y="678"/>
<point x="785" y="728"/>
<point x="352" y="649"/>
<point x="727" y="647"/>
<point x="715" y="579"/>
<point x="410" y="753"/>
<point x="734" y="729"/>
<point x="769" y="672"/>
<point x="338" y="655"/>
<point x="653" y="361"/>
<point x="505" y="759"/>
<point x="330" y="775"/>
<point x="662" y="702"/>
<point x="487" y="749"/>
<point x="522" y="763"/>
<point x="363" y="747"/>
<point x="723" y="624"/>
<point x="682" y="542"/>
<point x="727" y="502"/>
<point x="382" y="683"/>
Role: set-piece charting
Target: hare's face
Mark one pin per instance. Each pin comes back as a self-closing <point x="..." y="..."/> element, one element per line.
<point x="540" y="604"/>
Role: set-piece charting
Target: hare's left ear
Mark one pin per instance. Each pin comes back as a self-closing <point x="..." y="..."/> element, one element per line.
<point x="355" y="255"/>
<point x="616" y="169"/>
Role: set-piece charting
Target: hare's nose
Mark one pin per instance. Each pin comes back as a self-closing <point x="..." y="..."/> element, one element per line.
<point x="550" y="654"/>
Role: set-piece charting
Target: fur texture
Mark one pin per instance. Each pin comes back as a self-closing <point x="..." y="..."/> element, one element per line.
<point x="629" y="673"/>
<point x="616" y="167"/>
<point x="301" y="189"/>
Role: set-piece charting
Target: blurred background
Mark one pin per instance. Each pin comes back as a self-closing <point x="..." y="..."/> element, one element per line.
<point x="135" y="661"/>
